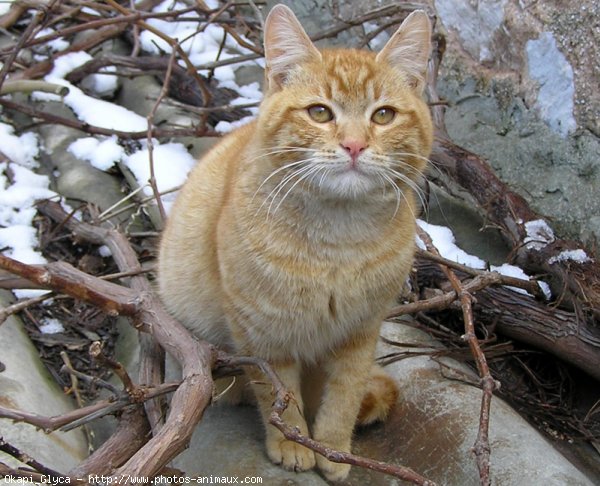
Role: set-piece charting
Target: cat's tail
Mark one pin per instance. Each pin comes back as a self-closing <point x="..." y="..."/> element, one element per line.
<point x="380" y="397"/>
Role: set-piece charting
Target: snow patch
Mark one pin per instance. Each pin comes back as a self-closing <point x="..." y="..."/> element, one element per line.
<point x="104" y="251"/>
<point x="102" y="154"/>
<point x="577" y="256"/>
<point x="443" y="239"/>
<point x="56" y="45"/>
<point x="172" y="162"/>
<point x="21" y="149"/>
<point x="539" y="234"/>
<point x="90" y="110"/>
<point x="51" y="326"/>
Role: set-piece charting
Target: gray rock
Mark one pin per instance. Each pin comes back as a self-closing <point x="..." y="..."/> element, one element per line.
<point x="81" y="181"/>
<point x="26" y="385"/>
<point x="469" y="228"/>
<point x="431" y="430"/>
<point x="139" y="95"/>
<point x="435" y="424"/>
<point x="558" y="177"/>
<point x="71" y="177"/>
<point x="549" y="67"/>
<point x="475" y="23"/>
<point x="229" y="442"/>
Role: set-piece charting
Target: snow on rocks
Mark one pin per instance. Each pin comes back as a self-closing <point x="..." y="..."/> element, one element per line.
<point x="576" y="256"/>
<point x="444" y="241"/>
<point x="539" y="234"/>
<point x="20" y="187"/>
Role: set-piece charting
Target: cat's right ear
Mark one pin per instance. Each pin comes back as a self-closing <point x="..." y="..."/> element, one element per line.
<point x="409" y="48"/>
<point x="286" y="46"/>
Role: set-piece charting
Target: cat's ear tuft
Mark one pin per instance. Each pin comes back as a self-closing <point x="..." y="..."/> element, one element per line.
<point x="286" y="45"/>
<point x="409" y="48"/>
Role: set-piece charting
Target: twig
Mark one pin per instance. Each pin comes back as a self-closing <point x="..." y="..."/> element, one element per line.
<point x="94" y="130"/>
<point x="5" y="312"/>
<point x="196" y="357"/>
<point x="530" y="286"/>
<point x="481" y="281"/>
<point x="175" y="46"/>
<point x="27" y="459"/>
<point x="62" y="277"/>
<point x="105" y="216"/>
<point x="94" y="380"/>
<point x="49" y="424"/>
<point x="482" y="445"/>
<point x="38" y="19"/>
<point x="150" y="119"/>
<point x="28" y="86"/>
<point x="130" y="388"/>
<point x="80" y="416"/>
<point x="74" y="389"/>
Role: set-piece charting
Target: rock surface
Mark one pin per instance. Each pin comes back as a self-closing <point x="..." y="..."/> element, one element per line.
<point x="431" y="430"/>
<point x="523" y="92"/>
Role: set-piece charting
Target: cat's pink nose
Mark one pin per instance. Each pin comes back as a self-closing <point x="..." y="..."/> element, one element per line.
<point x="354" y="147"/>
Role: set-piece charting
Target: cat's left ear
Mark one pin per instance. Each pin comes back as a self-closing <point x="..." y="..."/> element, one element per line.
<point x="286" y="45"/>
<point x="409" y="48"/>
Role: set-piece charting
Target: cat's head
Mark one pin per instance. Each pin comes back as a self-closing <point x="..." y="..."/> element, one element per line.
<point x="347" y="121"/>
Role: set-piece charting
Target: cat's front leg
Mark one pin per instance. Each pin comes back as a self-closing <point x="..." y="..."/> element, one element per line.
<point x="348" y="370"/>
<point x="291" y="455"/>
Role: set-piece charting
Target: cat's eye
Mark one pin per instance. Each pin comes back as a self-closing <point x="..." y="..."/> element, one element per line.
<point x="320" y="113"/>
<point x="383" y="115"/>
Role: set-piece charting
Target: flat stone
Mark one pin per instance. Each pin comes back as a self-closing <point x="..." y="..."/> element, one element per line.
<point x="229" y="442"/>
<point x="435" y="424"/>
<point x="431" y="430"/>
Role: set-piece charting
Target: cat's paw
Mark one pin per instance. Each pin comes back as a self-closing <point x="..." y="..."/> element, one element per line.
<point x="290" y="455"/>
<point x="333" y="471"/>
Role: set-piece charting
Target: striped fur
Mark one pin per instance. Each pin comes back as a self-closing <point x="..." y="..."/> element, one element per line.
<point x="281" y="246"/>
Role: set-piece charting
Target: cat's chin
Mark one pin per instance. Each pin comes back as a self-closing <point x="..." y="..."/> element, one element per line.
<point x="348" y="184"/>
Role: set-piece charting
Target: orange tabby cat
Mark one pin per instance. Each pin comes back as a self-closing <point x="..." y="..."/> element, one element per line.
<point x="293" y="236"/>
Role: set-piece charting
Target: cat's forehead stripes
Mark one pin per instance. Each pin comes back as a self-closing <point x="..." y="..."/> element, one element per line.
<point x="350" y="74"/>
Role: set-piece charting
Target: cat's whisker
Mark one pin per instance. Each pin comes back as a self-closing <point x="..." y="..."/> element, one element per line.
<point x="383" y="185"/>
<point x="430" y="163"/>
<point x="275" y="172"/>
<point x="312" y="177"/>
<point x="314" y="169"/>
<point x="280" y="151"/>
<point x="326" y="172"/>
<point x="411" y="184"/>
<point x="397" y="191"/>
<point x="283" y="181"/>
<point x="407" y="168"/>
<point x="281" y="185"/>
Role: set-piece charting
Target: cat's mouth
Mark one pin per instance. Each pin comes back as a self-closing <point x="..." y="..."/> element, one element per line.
<point x="354" y="166"/>
<point x="349" y="178"/>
